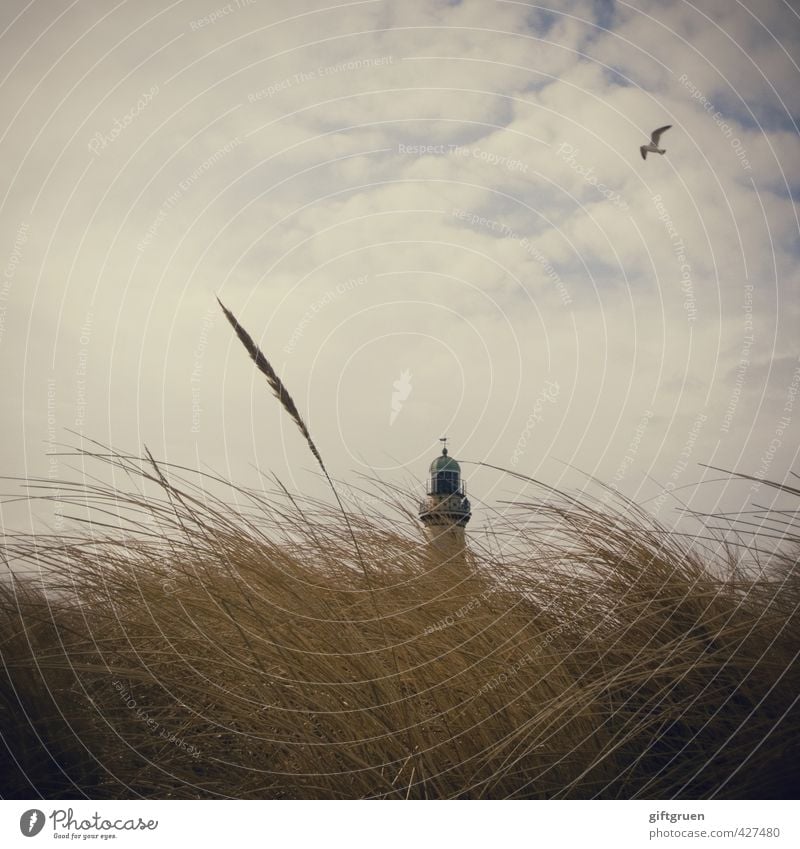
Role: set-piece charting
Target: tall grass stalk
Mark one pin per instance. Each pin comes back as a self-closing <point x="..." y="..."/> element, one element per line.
<point x="287" y="402"/>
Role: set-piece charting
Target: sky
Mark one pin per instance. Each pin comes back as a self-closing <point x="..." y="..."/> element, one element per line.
<point x="434" y="219"/>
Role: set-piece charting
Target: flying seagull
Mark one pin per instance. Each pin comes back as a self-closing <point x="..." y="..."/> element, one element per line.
<point x="653" y="146"/>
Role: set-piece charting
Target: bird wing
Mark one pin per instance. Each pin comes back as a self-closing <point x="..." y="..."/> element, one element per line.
<point x="657" y="134"/>
<point x="643" y="151"/>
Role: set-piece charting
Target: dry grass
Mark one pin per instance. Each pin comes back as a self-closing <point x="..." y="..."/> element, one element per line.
<point x="179" y="648"/>
<point x="203" y="652"/>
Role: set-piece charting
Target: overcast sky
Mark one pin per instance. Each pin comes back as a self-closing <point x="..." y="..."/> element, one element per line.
<point x="434" y="218"/>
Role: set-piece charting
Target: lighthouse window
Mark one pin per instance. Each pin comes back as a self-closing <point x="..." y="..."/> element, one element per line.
<point x="447" y="482"/>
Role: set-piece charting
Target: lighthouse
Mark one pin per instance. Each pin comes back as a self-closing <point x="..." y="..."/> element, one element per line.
<point x="445" y="510"/>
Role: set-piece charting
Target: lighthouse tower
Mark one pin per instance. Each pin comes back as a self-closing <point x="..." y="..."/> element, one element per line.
<point x="445" y="509"/>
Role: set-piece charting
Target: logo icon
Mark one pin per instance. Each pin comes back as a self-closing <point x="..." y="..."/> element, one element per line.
<point x="31" y="822"/>
<point x="402" y="389"/>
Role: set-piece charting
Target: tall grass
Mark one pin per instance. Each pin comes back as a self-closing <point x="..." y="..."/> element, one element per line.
<point x="176" y="648"/>
<point x="187" y="650"/>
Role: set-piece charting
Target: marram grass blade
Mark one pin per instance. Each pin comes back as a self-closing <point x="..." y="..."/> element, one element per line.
<point x="275" y="383"/>
<point x="282" y="394"/>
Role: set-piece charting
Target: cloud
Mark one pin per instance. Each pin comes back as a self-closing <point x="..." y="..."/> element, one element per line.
<point x="475" y="165"/>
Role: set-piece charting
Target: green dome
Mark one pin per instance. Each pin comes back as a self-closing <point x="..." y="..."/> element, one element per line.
<point x="445" y="464"/>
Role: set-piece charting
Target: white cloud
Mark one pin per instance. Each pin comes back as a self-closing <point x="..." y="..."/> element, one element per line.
<point x="273" y="166"/>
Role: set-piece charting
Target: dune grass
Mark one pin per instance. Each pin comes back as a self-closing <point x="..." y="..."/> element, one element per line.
<point x="187" y="650"/>
<point x="175" y="647"/>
